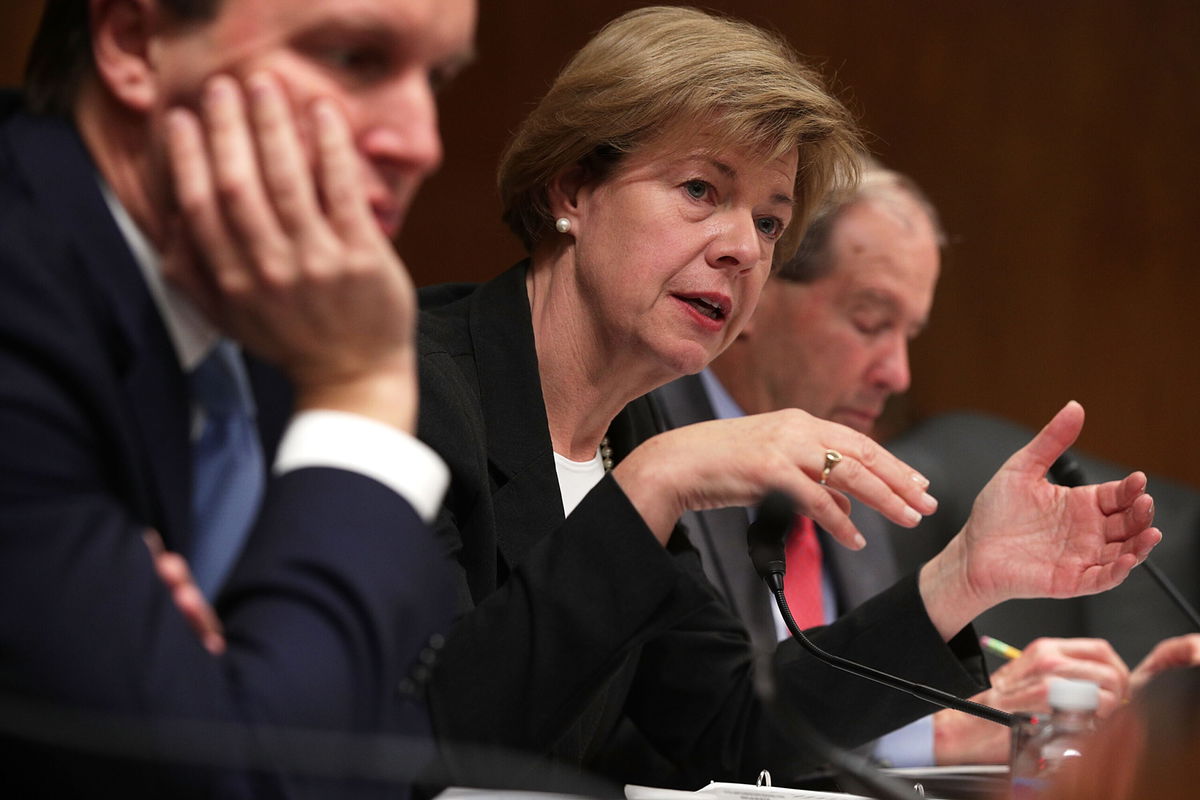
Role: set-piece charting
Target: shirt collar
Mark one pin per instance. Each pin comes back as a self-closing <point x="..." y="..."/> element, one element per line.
<point x="192" y="335"/>
<point x="723" y="404"/>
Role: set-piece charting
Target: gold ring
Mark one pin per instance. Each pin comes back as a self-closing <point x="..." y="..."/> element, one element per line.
<point x="832" y="459"/>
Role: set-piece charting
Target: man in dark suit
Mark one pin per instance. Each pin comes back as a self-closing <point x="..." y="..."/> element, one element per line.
<point x="830" y="336"/>
<point x="260" y="154"/>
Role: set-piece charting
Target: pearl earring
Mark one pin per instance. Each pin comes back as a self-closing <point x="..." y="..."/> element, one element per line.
<point x="562" y="225"/>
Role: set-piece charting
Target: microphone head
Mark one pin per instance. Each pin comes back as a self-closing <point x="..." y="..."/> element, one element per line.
<point x="766" y="534"/>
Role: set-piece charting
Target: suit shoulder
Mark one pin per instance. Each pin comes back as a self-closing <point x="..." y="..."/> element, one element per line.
<point x="449" y="380"/>
<point x="443" y="326"/>
<point x="41" y="274"/>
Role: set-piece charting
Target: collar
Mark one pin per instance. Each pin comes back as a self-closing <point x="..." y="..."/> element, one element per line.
<point x="723" y="404"/>
<point x="192" y="336"/>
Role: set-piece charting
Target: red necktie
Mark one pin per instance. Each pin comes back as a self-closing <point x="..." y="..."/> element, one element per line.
<point x="802" y="581"/>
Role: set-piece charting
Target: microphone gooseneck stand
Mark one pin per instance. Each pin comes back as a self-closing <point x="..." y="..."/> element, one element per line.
<point x="919" y="690"/>
<point x="766" y="550"/>
<point x="765" y="536"/>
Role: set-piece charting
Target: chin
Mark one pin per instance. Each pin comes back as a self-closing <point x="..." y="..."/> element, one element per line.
<point x="686" y="361"/>
<point x="857" y="422"/>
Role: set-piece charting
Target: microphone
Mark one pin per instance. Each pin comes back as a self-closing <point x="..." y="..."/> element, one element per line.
<point x="766" y="537"/>
<point x="1066" y="472"/>
<point x="766" y="541"/>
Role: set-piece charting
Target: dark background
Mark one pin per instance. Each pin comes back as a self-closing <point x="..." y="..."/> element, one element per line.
<point x="1057" y="138"/>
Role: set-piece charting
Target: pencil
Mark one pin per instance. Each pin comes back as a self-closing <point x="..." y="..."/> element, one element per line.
<point x="998" y="647"/>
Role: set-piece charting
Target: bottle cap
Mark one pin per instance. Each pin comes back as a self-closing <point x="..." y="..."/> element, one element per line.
<point x="1074" y="695"/>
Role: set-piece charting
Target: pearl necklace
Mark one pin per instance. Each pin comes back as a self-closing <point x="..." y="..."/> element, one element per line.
<point x="606" y="454"/>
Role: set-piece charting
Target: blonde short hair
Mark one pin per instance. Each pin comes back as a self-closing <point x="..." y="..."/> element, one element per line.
<point x="663" y="70"/>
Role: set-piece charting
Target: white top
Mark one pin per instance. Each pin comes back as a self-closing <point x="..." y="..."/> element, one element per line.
<point x="317" y="438"/>
<point x="577" y="478"/>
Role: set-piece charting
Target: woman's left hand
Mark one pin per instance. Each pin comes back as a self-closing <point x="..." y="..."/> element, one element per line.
<point x="1027" y="537"/>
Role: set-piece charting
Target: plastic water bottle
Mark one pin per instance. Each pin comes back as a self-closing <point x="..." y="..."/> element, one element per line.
<point x="1072" y="721"/>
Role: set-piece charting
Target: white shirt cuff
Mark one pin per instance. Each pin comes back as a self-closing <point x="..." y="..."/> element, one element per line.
<point x="359" y="444"/>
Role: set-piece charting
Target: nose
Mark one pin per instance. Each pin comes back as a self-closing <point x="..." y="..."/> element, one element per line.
<point x="401" y="136"/>
<point x="891" y="370"/>
<point x="735" y="242"/>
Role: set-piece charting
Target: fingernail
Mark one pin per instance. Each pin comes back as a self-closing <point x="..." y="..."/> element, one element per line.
<point x="930" y="502"/>
<point x="859" y="541"/>
<point x="920" y="480"/>
<point x="912" y="516"/>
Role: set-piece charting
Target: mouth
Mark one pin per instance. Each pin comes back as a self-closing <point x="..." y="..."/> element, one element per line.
<point x="389" y="217"/>
<point x="714" y="307"/>
<point x="862" y="420"/>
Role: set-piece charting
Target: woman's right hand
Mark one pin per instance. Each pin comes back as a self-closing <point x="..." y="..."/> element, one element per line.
<point x="734" y="462"/>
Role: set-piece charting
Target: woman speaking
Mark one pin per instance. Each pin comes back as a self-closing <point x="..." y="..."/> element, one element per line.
<point x="671" y="161"/>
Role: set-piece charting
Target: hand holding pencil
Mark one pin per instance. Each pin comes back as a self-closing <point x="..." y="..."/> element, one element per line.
<point x="1022" y="684"/>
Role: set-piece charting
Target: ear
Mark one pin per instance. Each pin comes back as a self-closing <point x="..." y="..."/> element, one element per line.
<point x="121" y="32"/>
<point x="565" y="191"/>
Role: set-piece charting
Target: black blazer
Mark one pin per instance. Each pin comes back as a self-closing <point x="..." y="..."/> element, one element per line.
<point x="572" y="628"/>
<point x="340" y="586"/>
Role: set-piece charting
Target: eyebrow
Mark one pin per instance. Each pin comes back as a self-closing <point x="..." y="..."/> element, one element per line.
<point x="381" y="32"/>
<point x="731" y="173"/>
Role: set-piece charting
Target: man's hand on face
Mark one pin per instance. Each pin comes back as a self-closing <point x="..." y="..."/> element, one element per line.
<point x="286" y="256"/>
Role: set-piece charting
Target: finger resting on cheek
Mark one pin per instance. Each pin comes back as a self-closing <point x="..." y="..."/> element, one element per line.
<point x="285" y="168"/>
<point x="338" y="172"/>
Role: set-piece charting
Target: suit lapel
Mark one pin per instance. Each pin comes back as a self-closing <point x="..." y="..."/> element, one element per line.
<point x="862" y="574"/>
<point x="144" y="360"/>
<point x="526" y="499"/>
